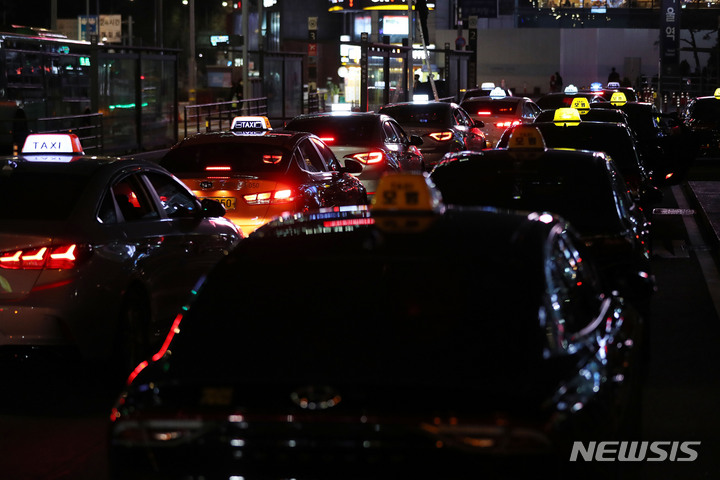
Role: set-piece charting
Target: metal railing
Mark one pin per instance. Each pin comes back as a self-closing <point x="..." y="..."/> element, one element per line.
<point x="88" y="128"/>
<point x="212" y="117"/>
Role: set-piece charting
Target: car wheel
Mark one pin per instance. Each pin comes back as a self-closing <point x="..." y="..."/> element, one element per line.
<point x="133" y="336"/>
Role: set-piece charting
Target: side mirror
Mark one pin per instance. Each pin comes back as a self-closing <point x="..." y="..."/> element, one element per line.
<point x="416" y="140"/>
<point x="351" y="166"/>
<point x="479" y="124"/>
<point x="212" y="208"/>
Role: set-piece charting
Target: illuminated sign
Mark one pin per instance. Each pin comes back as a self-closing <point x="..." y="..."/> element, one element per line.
<point x="339" y="5"/>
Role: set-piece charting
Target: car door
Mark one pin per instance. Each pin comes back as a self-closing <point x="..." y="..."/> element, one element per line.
<point x="333" y="187"/>
<point x="191" y="244"/>
<point x="409" y="157"/>
<point x="474" y="137"/>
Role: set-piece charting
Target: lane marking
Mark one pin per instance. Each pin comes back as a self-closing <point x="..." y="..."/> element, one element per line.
<point x="673" y="211"/>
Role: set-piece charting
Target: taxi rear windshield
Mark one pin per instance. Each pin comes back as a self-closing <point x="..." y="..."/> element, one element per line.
<point x="230" y="157"/>
<point x="706" y="111"/>
<point x="419" y="115"/>
<point x="491" y="107"/>
<point x="343" y="130"/>
<point x="28" y="195"/>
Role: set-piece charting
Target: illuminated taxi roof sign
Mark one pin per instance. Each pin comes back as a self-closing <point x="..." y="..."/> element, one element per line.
<point x="407" y="191"/>
<point x="595" y="87"/>
<point x="250" y="124"/>
<point x="717" y="93"/>
<point x="571" y="89"/>
<point x="497" y="92"/>
<point x="618" y="99"/>
<point x="613" y="85"/>
<point x="526" y="137"/>
<point x="52" y="144"/>
<point x="487" y="85"/>
<point x="566" y="117"/>
<point x="581" y="104"/>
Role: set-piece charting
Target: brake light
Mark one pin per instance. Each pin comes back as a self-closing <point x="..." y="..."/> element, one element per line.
<point x="369" y="158"/>
<point x="327" y="139"/>
<point x="441" y="136"/>
<point x="508" y="124"/>
<point x="273" y="159"/>
<point x="218" y="169"/>
<point x="484" y="112"/>
<point x="55" y="258"/>
<point x="270" y="198"/>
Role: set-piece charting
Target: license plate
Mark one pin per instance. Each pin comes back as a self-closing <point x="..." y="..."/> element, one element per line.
<point x="228" y="202"/>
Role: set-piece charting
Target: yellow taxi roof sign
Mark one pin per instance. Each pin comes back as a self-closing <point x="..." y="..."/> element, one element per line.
<point x="717" y="93"/>
<point x="407" y="191"/>
<point x="566" y="117"/>
<point x="250" y="123"/>
<point x="618" y="99"/>
<point x="580" y="104"/>
<point x="526" y="137"/>
<point x="52" y="143"/>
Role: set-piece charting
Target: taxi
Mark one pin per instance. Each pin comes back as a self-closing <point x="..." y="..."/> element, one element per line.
<point x="258" y="173"/>
<point x="499" y="111"/>
<point x="587" y="113"/>
<point x="701" y="116"/>
<point x="583" y="187"/>
<point x="444" y="127"/>
<point x="569" y="130"/>
<point x="521" y="351"/>
<point x="97" y="253"/>
<point x="564" y="99"/>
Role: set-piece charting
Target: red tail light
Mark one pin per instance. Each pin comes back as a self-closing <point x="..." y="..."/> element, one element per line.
<point x="55" y="258"/>
<point x="508" y="124"/>
<point x="441" y="136"/>
<point x="273" y="159"/>
<point x="484" y="112"/>
<point x="218" y="169"/>
<point x="327" y="139"/>
<point x="270" y="198"/>
<point x="369" y="158"/>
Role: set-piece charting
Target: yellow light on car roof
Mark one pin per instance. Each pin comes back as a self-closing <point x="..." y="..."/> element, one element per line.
<point x="407" y="191"/>
<point x="567" y="117"/>
<point x="581" y="104"/>
<point x="526" y="137"/>
<point x="717" y="93"/>
<point x="618" y="99"/>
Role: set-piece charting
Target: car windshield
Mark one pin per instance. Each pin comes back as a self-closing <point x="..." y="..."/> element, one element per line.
<point x="616" y="142"/>
<point x="39" y="195"/>
<point x="589" y="206"/>
<point x="421" y="115"/>
<point x="257" y="319"/>
<point x="343" y="130"/>
<point x="706" y="110"/>
<point x="226" y="157"/>
<point x="491" y="107"/>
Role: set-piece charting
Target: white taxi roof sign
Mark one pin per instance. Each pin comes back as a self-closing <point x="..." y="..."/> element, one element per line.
<point x="571" y="89"/>
<point x="613" y="85"/>
<point x="580" y="104"/>
<point x="526" y="137"/>
<point x="566" y="117"/>
<point x="487" y="85"/>
<point x="618" y="99"/>
<point x="250" y="123"/>
<point x="717" y="93"/>
<point x="407" y="191"/>
<point x="498" y="92"/>
<point x="52" y="144"/>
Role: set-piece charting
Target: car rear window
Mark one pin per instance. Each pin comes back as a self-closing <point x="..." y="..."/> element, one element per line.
<point x="491" y="107"/>
<point x="226" y="158"/>
<point x="706" y="110"/>
<point x="34" y="195"/>
<point x="419" y="115"/>
<point x="338" y="130"/>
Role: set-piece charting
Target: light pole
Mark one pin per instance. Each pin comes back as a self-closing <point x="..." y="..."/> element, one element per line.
<point x="192" y="63"/>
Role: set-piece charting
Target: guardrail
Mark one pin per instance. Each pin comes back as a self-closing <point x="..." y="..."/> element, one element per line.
<point x="88" y="128"/>
<point x="211" y="117"/>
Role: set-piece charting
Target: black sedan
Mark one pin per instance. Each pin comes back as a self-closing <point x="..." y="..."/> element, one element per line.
<point x="583" y="187"/>
<point x="258" y="173"/>
<point x="701" y="116"/>
<point x="97" y="254"/>
<point x="518" y="351"/>
<point x="377" y="141"/>
<point x="443" y="126"/>
<point x="615" y="139"/>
